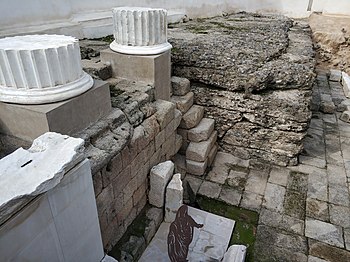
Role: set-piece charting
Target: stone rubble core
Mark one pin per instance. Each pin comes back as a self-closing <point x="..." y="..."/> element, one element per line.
<point x="140" y="31"/>
<point x="39" y="69"/>
<point x="29" y="173"/>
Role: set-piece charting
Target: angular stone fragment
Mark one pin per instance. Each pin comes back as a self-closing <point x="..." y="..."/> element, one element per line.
<point x="200" y="151"/>
<point x="346" y="84"/>
<point x="97" y="70"/>
<point x="165" y="112"/>
<point x="183" y="103"/>
<point x="180" y="86"/>
<point x="196" y="168"/>
<point x="327" y="106"/>
<point x="28" y="173"/>
<point x="159" y="178"/>
<point x="345" y="116"/>
<point x="324" y="232"/>
<point x="235" y="253"/>
<point x="335" y="75"/>
<point x="202" y="131"/>
<point x="174" y="198"/>
<point x="192" y="117"/>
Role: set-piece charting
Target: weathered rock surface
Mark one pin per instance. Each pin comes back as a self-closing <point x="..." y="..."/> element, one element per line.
<point x="253" y="74"/>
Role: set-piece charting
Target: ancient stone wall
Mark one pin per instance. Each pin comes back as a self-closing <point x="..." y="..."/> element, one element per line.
<point x="253" y="74"/>
<point x="122" y="148"/>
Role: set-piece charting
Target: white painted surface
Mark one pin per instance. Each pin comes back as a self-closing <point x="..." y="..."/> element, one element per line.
<point x="92" y="18"/>
<point x="28" y="173"/>
<point x="37" y="69"/>
<point x="235" y="253"/>
<point x="60" y="225"/>
<point x="209" y="243"/>
<point x="140" y="31"/>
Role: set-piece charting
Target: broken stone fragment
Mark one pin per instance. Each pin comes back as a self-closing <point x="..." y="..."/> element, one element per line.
<point x="235" y="253"/>
<point x="174" y="198"/>
<point x="159" y="178"/>
<point x="335" y="75"/>
<point x="28" y="173"/>
<point x="345" y="116"/>
<point x="180" y="86"/>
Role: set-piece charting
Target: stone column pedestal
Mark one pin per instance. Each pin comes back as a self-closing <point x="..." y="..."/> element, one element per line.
<point x="39" y="69"/>
<point x="140" y="50"/>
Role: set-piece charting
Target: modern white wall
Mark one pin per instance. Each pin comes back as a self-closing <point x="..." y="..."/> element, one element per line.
<point x="15" y="15"/>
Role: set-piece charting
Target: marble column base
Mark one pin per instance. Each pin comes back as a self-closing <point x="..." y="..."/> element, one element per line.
<point x="27" y="122"/>
<point x="152" y="69"/>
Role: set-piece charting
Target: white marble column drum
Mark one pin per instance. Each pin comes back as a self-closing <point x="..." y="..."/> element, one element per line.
<point x="140" y="31"/>
<point x="40" y="69"/>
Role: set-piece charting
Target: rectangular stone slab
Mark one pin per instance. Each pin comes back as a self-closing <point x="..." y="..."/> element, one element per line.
<point x="209" y="243"/>
<point x="67" y="117"/>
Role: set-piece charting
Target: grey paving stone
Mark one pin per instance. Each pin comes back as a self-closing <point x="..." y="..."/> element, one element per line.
<point x="315" y="259"/>
<point x="297" y="182"/>
<point x="327" y="252"/>
<point x="279" y="176"/>
<point x="336" y="174"/>
<point x="318" y="185"/>
<point x="251" y="201"/>
<point x="314" y="144"/>
<point x="274" y="197"/>
<point x="345" y="147"/>
<point x="237" y="179"/>
<point x="316" y="123"/>
<point x="294" y="204"/>
<point x="312" y="161"/>
<point x="256" y="181"/>
<point x="339" y="215"/>
<point x="230" y="195"/>
<point x="209" y="189"/>
<point x="324" y="232"/>
<point x="347" y="238"/>
<point x="317" y="209"/>
<point x="217" y="175"/>
<point x="333" y="150"/>
<point x="338" y="194"/>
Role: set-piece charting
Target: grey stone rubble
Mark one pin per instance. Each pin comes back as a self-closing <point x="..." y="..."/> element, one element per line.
<point x="304" y="209"/>
<point x="255" y="82"/>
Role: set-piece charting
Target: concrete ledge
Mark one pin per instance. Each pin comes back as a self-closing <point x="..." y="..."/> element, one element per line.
<point x="67" y="117"/>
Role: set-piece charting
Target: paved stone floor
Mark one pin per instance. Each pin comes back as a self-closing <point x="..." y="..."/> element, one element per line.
<point x="304" y="210"/>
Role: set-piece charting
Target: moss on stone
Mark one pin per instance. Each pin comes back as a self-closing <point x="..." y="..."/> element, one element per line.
<point x="246" y="222"/>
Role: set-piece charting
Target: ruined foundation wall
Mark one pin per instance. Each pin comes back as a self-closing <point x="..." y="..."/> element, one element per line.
<point x="254" y="75"/>
<point x="122" y="148"/>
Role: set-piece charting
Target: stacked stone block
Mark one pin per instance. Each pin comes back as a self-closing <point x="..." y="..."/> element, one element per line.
<point x="121" y="185"/>
<point x="198" y="135"/>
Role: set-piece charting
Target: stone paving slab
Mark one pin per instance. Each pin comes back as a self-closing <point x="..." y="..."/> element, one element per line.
<point x="209" y="243"/>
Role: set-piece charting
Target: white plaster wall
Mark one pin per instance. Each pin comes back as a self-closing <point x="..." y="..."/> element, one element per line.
<point x="42" y="14"/>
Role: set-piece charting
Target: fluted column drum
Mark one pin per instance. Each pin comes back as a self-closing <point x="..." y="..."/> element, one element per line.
<point x="39" y="69"/>
<point x="140" y="31"/>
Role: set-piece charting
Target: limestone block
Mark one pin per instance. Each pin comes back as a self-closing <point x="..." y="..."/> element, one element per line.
<point x="174" y="198"/>
<point x="200" y="151"/>
<point x="159" y="178"/>
<point x="178" y="117"/>
<point x="38" y="69"/>
<point x="183" y="103"/>
<point x="196" y="168"/>
<point x="202" y="131"/>
<point x="212" y="154"/>
<point x="165" y="112"/>
<point x="345" y="116"/>
<point x="180" y="86"/>
<point x="235" y="253"/>
<point x="335" y="75"/>
<point x="192" y="117"/>
<point x="97" y="69"/>
<point x="346" y="84"/>
<point x="178" y="143"/>
<point x="140" y="31"/>
<point x="28" y="173"/>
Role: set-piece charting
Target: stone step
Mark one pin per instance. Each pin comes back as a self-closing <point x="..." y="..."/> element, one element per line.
<point x="192" y="117"/>
<point x="180" y="86"/>
<point x="96" y="69"/>
<point x="200" y="151"/>
<point x="202" y="131"/>
<point x="196" y="167"/>
<point x="183" y="103"/>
